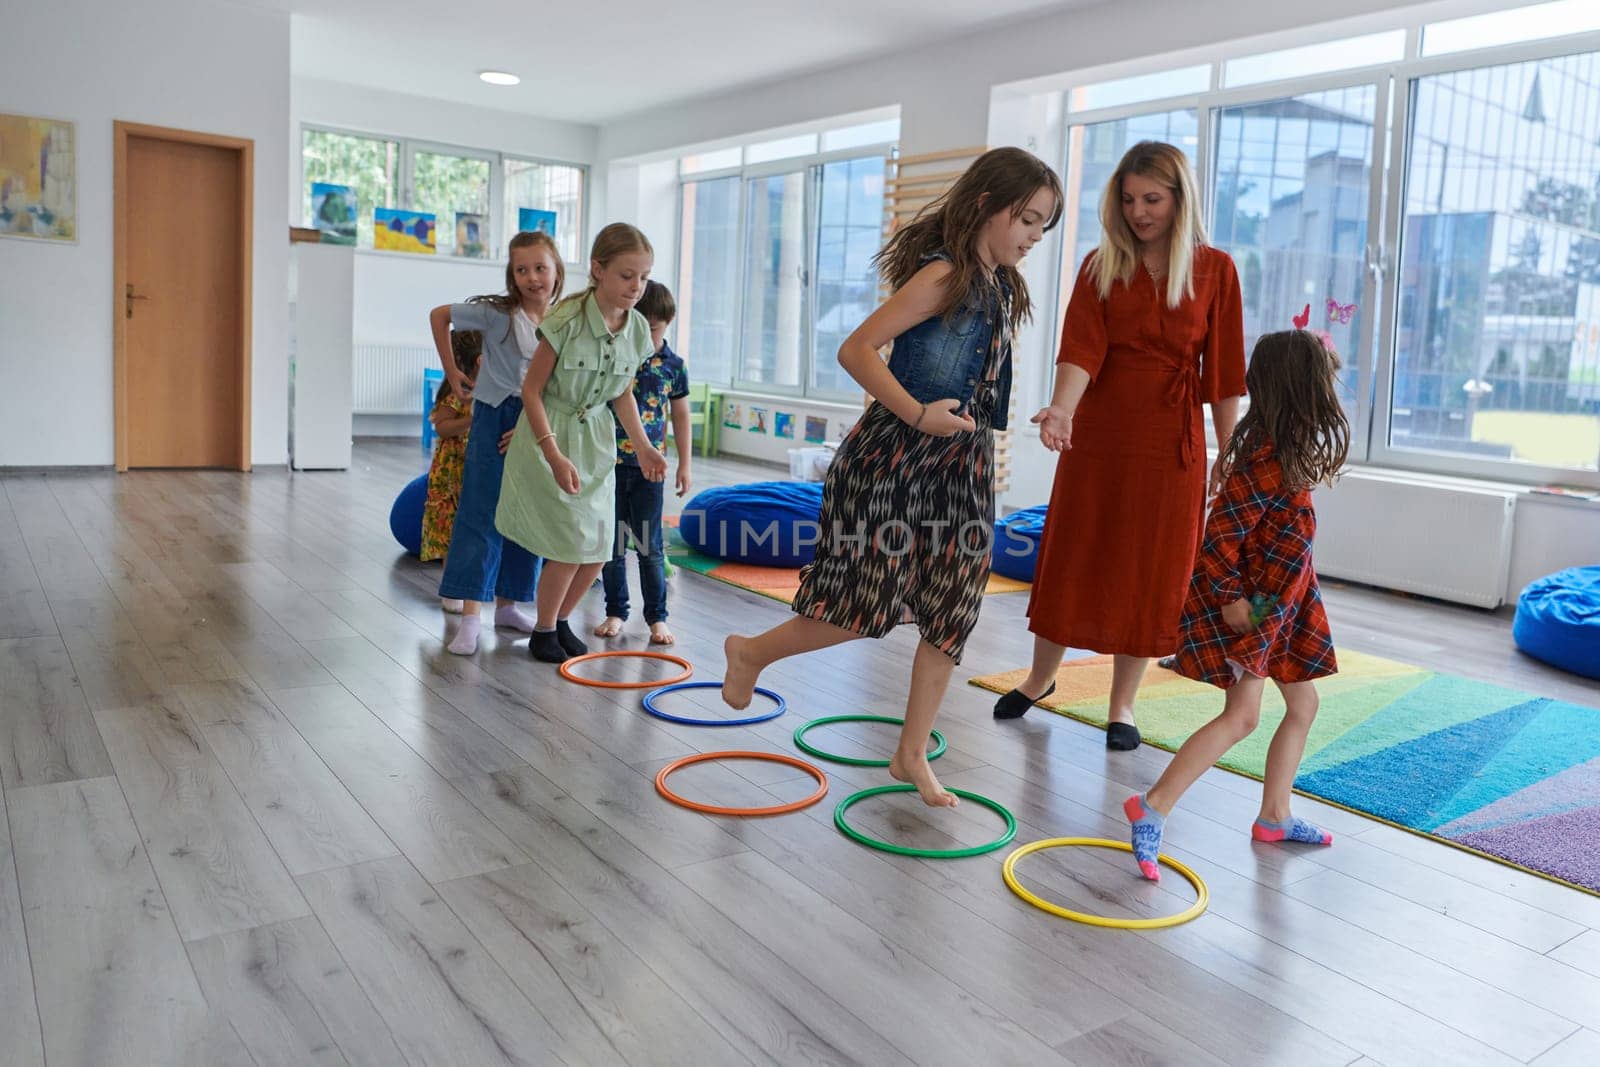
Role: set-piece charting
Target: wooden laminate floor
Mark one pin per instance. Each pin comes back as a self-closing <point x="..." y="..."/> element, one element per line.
<point x="254" y="813"/>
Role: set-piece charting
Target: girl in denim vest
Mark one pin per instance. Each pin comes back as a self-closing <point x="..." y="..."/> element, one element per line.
<point x="908" y="506"/>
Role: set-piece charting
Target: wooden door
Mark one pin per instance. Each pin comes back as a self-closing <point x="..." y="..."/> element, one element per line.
<point x="183" y="300"/>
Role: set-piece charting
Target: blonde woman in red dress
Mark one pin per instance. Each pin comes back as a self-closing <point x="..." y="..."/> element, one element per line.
<point x="1154" y="329"/>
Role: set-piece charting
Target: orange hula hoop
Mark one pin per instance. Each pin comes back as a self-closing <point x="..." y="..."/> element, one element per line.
<point x="566" y="672"/>
<point x="713" y="809"/>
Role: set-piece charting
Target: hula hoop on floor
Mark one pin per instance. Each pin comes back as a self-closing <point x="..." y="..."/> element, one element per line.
<point x="650" y="706"/>
<point x="804" y="746"/>
<point x="566" y="669"/>
<point x="1194" y="911"/>
<point x="923" y="853"/>
<point x="713" y="809"/>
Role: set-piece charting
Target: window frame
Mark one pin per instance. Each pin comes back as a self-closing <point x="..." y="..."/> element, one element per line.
<point x="501" y="229"/>
<point x="1396" y="85"/>
<point x="810" y="166"/>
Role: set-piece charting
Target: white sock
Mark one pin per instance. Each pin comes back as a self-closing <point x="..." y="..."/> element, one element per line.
<point x="515" y="618"/>
<point x="465" y="642"/>
<point x="451" y="605"/>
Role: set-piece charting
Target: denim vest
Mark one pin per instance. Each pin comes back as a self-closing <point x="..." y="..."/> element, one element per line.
<point x="942" y="358"/>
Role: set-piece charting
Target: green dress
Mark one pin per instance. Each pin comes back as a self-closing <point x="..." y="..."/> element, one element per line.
<point x="593" y="367"/>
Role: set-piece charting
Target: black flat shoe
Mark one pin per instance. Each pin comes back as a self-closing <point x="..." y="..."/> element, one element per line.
<point x="1122" y="736"/>
<point x="1015" y="704"/>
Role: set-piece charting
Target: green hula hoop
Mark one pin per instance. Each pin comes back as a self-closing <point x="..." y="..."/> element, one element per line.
<point x="924" y="853"/>
<point x="806" y="747"/>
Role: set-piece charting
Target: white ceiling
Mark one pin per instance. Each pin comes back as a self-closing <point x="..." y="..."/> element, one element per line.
<point x="593" y="62"/>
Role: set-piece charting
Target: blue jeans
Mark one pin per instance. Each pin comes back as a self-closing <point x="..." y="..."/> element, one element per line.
<point x="639" y="517"/>
<point x="481" y="564"/>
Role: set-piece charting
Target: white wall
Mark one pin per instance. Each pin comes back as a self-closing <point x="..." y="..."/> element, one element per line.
<point x="943" y="90"/>
<point x="181" y="63"/>
<point x="1551" y="535"/>
<point x="768" y="446"/>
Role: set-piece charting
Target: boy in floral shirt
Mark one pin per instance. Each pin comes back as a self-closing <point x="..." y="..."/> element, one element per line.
<point x="661" y="387"/>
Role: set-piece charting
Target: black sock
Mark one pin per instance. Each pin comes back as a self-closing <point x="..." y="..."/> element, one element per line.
<point x="1015" y="704"/>
<point x="570" y="641"/>
<point x="545" y="646"/>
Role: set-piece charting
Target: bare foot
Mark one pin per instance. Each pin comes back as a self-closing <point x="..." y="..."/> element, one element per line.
<point x="610" y="628"/>
<point x="918" y="773"/>
<point x="660" y="635"/>
<point x="739" y="682"/>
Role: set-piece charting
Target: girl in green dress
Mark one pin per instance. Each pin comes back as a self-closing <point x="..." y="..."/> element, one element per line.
<point x="557" y="498"/>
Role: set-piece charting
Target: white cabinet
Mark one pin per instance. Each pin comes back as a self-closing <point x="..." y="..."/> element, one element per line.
<point x="321" y="341"/>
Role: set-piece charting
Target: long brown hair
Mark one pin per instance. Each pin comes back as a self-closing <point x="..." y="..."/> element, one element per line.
<point x="1118" y="255"/>
<point x="1294" y="406"/>
<point x="1002" y="179"/>
<point x="467" y="345"/>
<point x="617" y="239"/>
<point x="511" y="299"/>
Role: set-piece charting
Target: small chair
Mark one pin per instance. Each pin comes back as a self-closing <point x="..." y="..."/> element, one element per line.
<point x="705" y="412"/>
<point x="432" y="380"/>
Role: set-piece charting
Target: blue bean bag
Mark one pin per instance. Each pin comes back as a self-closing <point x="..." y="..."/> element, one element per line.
<point x="770" y="524"/>
<point x="405" y="518"/>
<point x="1558" y="620"/>
<point x="1016" y="543"/>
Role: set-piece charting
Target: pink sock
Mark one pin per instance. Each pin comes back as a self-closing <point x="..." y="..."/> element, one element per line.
<point x="513" y="617"/>
<point x="465" y="642"/>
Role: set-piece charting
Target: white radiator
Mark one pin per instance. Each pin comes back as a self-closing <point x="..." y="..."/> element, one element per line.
<point x="388" y="378"/>
<point x="1439" y="540"/>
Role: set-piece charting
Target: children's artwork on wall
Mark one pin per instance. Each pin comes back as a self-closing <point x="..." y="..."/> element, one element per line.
<point x="816" y="429"/>
<point x="758" y="420"/>
<point x="472" y="234"/>
<point x="333" y="213"/>
<point x="396" y="230"/>
<point x="532" y="220"/>
<point x="783" y="424"/>
<point x="732" y="417"/>
<point x="38" y="178"/>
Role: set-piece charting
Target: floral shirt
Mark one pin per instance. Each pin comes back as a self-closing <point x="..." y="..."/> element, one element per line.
<point x="660" y="380"/>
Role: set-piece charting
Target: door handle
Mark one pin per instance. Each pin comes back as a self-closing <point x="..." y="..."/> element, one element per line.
<point x="130" y="296"/>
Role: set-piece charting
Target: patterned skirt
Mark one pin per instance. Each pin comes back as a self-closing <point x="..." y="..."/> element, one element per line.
<point x="907" y="530"/>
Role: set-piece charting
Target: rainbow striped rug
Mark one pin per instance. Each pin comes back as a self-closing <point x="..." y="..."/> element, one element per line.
<point x="1510" y="775"/>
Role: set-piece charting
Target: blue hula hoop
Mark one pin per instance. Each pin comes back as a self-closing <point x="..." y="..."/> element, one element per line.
<point x="650" y="706"/>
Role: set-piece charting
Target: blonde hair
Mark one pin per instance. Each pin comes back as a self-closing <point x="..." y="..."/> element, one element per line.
<point x="1118" y="255"/>
<point x="617" y="239"/>
<point x="511" y="299"/>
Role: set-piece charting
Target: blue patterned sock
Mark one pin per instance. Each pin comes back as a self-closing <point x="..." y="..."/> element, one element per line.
<point x="1291" y="829"/>
<point x="1147" y="826"/>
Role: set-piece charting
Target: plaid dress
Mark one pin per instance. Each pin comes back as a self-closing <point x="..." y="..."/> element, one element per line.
<point x="1257" y="546"/>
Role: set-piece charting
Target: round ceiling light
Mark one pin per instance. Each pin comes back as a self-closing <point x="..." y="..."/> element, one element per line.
<point x="498" y="77"/>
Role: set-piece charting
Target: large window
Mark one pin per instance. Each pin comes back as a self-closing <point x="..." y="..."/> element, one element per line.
<point x="774" y="280"/>
<point x="1497" y="348"/>
<point x="451" y="185"/>
<point x="845" y="285"/>
<point x="547" y="187"/>
<point x="1437" y="205"/>
<point x="477" y="197"/>
<point x="368" y="165"/>
<point x="1290" y="203"/>
<point x="708" y="276"/>
<point x="775" y="259"/>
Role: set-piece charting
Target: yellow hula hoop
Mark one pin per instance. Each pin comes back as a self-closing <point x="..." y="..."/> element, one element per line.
<point x="1008" y="871"/>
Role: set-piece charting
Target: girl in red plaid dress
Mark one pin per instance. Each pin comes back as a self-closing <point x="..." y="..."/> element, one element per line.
<point x="1253" y="610"/>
